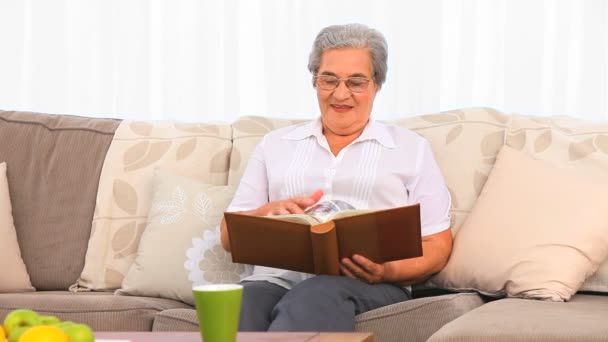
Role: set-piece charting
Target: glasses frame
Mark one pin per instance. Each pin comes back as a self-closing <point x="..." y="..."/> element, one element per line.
<point x="345" y="80"/>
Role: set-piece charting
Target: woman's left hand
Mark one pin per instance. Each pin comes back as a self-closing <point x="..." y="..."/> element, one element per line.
<point x="360" y="267"/>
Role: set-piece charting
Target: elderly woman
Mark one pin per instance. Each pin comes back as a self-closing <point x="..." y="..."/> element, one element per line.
<point x="343" y="155"/>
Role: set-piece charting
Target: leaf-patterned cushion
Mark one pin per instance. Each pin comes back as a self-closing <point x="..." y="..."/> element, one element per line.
<point x="196" y="150"/>
<point x="247" y="132"/>
<point x="465" y="143"/>
<point x="180" y="247"/>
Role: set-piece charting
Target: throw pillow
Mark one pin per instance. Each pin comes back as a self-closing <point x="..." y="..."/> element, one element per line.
<point x="200" y="151"/>
<point x="15" y="278"/>
<point x="536" y="231"/>
<point x="566" y="142"/>
<point x="180" y="246"/>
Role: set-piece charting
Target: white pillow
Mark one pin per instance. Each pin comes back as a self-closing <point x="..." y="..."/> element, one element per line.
<point x="536" y="231"/>
<point x="180" y="247"/>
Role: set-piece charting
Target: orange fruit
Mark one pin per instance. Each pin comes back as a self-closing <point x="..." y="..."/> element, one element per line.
<point x="2" y="334"/>
<point x="44" y="333"/>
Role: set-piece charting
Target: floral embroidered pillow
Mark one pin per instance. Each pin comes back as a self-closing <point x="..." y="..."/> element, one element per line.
<point x="180" y="246"/>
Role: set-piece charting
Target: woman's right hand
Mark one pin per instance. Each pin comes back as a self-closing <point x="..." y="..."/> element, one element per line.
<point x="294" y="205"/>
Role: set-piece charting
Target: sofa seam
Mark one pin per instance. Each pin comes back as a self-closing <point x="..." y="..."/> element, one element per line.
<point x="249" y="136"/>
<point x="60" y="129"/>
<point x="91" y="311"/>
<point x="460" y="122"/>
<point x="99" y="311"/>
<point x="180" y="137"/>
<point x="183" y="320"/>
<point x="380" y="316"/>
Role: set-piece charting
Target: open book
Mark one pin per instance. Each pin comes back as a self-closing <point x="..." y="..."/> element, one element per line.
<point x="323" y="212"/>
<point x="315" y="242"/>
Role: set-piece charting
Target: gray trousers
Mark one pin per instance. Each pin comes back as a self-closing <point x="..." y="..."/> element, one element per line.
<point x="321" y="303"/>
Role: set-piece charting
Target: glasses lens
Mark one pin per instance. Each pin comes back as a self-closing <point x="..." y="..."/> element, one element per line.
<point x="354" y="84"/>
<point x="357" y="84"/>
<point x="327" y="82"/>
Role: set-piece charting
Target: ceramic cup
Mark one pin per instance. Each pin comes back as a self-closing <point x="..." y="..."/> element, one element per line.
<point x="218" y="307"/>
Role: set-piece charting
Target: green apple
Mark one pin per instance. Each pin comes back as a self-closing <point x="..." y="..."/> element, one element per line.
<point x="48" y="320"/>
<point x="20" y="318"/>
<point x="79" y="333"/>
<point x="17" y="332"/>
<point x="63" y="325"/>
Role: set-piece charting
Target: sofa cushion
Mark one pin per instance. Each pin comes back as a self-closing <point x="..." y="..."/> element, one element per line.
<point x="583" y="318"/>
<point x="465" y="144"/>
<point x="247" y="132"/>
<point x="199" y="151"/>
<point x="100" y="310"/>
<point x="536" y="231"/>
<point x="180" y="247"/>
<point x="54" y="162"/>
<point x="567" y="143"/>
<point x="417" y="319"/>
<point x="413" y="320"/>
<point x="11" y="262"/>
<point x="176" y="320"/>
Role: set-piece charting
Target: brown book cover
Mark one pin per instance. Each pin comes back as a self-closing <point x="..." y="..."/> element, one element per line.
<point x="302" y="243"/>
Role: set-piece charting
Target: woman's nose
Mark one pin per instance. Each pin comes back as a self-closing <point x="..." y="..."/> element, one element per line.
<point x="342" y="92"/>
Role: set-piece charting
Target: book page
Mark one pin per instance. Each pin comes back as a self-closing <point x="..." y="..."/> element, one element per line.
<point x="350" y="212"/>
<point x="297" y="218"/>
<point x="327" y="210"/>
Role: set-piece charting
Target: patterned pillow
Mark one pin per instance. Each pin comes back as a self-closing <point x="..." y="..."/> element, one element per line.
<point x="465" y="143"/>
<point x="180" y="247"/>
<point x="199" y="151"/>
<point x="247" y="132"/>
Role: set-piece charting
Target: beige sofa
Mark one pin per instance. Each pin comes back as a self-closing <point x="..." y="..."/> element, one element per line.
<point x="60" y="169"/>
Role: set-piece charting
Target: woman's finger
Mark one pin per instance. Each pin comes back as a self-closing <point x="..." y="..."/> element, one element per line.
<point x="354" y="269"/>
<point x="366" y="264"/>
<point x="345" y="271"/>
<point x="374" y="273"/>
<point x="302" y="202"/>
<point x="316" y="196"/>
<point x="293" y="208"/>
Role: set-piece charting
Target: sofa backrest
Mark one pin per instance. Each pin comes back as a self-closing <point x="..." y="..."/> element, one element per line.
<point x="247" y="132"/>
<point x="465" y="143"/>
<point x="54" y="162"/>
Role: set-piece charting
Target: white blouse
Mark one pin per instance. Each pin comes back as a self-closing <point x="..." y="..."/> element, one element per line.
<point x="385" y="167"/>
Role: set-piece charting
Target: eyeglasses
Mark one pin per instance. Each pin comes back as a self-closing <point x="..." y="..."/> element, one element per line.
<point x="329" y="82"/>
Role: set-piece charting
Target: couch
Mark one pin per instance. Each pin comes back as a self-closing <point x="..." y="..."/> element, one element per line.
<point x="58" y="166"/>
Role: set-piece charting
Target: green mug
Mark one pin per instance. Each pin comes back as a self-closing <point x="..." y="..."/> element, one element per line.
<point x="218" y="307"/>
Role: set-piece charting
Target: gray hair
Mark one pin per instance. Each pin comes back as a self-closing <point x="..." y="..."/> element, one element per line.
<point x="351" y="36"/>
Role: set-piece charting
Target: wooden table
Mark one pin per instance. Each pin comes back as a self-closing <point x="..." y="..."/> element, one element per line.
<point x="242" y="337"/>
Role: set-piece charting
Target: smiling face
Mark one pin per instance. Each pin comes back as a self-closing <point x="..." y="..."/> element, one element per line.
<point x="343" y="112"/>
